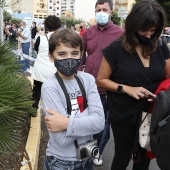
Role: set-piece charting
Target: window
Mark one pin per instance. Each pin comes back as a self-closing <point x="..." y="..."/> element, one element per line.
<point x="58" y="8"/>
<point x="57" y="14"/>
<point x="42" y="6"/>
<point x="58" y="2"/>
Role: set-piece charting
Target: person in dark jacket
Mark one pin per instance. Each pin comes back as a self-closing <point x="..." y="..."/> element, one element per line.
<point x="33" y="30"/>
<point x="12" y="35"/>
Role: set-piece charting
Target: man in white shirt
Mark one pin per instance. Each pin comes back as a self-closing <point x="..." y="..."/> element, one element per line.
<point x="25" y="38"/>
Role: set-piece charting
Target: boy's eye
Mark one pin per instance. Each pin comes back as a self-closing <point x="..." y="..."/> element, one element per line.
<point x="61" y="54"/>
<point x="75" y="53"/>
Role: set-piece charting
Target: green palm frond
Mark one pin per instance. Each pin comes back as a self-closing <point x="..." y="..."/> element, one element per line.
<point x="7" y="57"/>
<point x="15" y="101"/>
<point x="7" y="134"/>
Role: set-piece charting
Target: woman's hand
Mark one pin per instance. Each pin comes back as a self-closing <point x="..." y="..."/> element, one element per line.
<point x="138" y="92"/>
<point x="56" y="122"/>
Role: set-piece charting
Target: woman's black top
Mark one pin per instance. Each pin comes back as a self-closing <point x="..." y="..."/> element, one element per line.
<point x="128" y="69"/>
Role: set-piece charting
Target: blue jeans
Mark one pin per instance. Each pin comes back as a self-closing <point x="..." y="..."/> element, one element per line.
<point x="25" y="50"/>
<point x="52" y="163"/>
<point x="103" y="136"/>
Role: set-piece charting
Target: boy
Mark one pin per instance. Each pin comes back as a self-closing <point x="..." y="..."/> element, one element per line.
<point x="71" y="122"/>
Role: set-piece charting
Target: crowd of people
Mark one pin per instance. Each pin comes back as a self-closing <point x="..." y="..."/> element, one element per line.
<point x="100" y="76"/>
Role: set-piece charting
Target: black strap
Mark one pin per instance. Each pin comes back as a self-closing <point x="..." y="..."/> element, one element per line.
<point x="67" y="95"/>
<point x="82" y="91"/>
<point x="68" y="98"/>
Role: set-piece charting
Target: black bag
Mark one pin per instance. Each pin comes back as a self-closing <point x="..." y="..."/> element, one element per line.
<point x="160" y="130"/>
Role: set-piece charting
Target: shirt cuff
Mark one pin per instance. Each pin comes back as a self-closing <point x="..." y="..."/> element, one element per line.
<point x="71" y="127"/>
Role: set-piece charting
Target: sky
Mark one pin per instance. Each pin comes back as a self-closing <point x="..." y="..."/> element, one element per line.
<point x="85" y="9"/>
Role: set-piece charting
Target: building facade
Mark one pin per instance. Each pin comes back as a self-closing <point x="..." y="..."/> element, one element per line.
<point x="22" y="6"/>
<point x="60" y="8"/>
<point x="126" y="4"/>
<point x="43" y="8"/>
<point x="78" y="9"/>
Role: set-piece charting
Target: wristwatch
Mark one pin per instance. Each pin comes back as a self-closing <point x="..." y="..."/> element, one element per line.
<point x="120" y="89"/>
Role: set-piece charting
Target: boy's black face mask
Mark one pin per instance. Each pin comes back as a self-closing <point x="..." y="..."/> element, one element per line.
<point x="144" y="40"/>
<point x="67" y="66"/>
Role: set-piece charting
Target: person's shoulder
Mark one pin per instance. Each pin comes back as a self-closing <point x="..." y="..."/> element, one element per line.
<point x="84" y="76"/>
<point x="116" y="43"/>
<point x="116" y="28"/>
<point x="92" y="28"/>
<point x="27" y="29"/>
<point x="113" y="46"/>
<point x="50" y="82"/>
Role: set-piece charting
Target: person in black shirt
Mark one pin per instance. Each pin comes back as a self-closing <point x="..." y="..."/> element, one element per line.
<point x="13" y="36"/>
<point x="33" y="34"/>
<point x="131" y="70"/>
<point x="33" y="30"/>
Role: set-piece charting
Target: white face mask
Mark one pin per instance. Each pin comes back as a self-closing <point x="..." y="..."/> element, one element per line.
<point x="102" y="18"/>
<point x="22" y="27"/>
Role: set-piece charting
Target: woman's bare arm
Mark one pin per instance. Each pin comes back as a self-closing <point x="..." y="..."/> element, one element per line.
<point x="103" y="80"/>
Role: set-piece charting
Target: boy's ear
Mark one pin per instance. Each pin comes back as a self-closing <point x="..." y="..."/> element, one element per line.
<point x="51" y="57"/>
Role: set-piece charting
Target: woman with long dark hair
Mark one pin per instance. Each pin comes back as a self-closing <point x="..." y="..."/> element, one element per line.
<point x="131" y="70"/>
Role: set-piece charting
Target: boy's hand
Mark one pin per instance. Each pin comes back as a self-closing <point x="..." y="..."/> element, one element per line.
<point x="56" y="122"/>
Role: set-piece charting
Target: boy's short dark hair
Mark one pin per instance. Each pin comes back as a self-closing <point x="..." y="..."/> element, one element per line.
<point x="105" y="1"/>
<point x="67" y="37"/>
<point x="52" y="23"/>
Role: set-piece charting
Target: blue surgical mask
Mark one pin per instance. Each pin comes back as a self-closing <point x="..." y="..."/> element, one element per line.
<point x="102" y="18"/>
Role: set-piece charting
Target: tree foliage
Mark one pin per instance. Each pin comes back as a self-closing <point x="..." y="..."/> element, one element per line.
<point x="115" y="19"/>
<point x="16" y="21"/>
<point x="7" y="16"/>
<point x="70" y="21"/>
<point x="166" y="5"/>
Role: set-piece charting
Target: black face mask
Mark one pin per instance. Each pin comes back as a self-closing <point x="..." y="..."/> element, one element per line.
<point x="144" y="40"/>
<point x="81" y="27"/>
<point x="68" y="66"/>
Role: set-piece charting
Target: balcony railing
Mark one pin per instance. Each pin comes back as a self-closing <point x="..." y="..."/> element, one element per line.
<point x="41" y="11"/>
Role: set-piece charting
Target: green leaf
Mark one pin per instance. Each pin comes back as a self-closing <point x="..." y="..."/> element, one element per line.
<point x="15" y="101"/>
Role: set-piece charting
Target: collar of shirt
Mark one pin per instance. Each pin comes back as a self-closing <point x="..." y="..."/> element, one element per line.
<point x="106" y="27"/>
